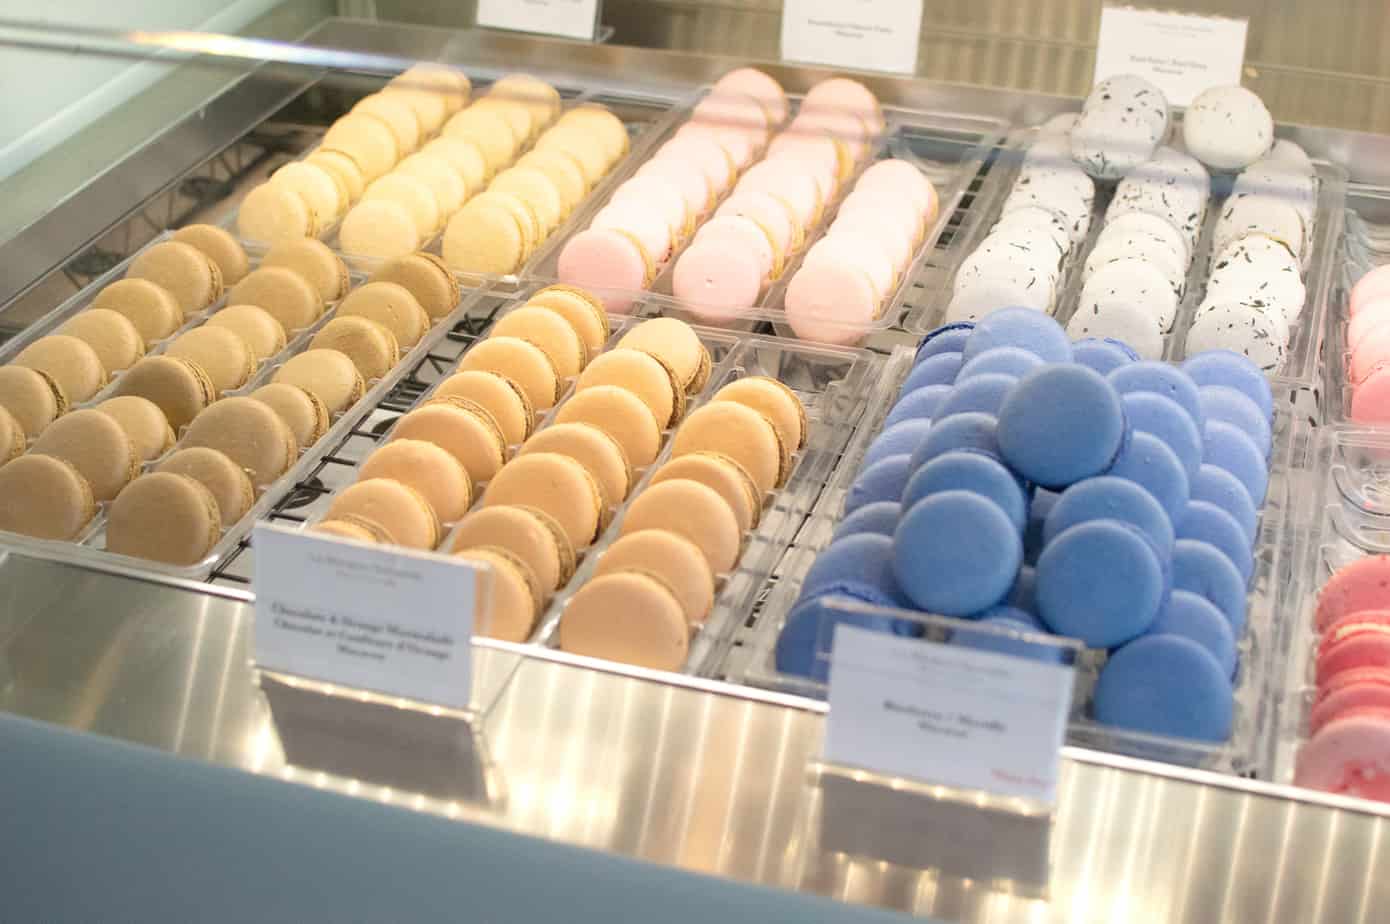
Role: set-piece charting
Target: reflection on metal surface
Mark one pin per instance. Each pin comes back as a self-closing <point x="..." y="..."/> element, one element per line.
<point x="688" y="777"/>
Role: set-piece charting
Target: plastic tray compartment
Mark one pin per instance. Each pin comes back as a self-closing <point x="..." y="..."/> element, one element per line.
<point x="1305" y="343"/>
<point x="1366" y="245"/>
<point x="1346" y="516"/>
<point x="89" y="547"/>
<point x="949" y="148"/>
<point x="1246" y="752"/>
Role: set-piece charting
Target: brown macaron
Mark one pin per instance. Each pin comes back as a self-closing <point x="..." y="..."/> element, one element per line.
<point x="514" y="601"/>
<point x="328" y="375"/>
<point x="742" y="434"/>
<point x="221" y="353"/>
<point x="228" y="482"/>
<point x="114" y="337"/>
<point x="219" y="247"/>
<point x="396" y="508"/>
<point x="602" y="455"/>
<point x="352" y="527"/>
<point x="371" y="347"/>
<point x="262" y="333"/>
<point x="179" y="387"/>
<point x="582" y="309"/>
<point x="548" y="330"/>
<point x="12" y="438"/>
<point x="503" y="398"/>
<point x="301" y="410"/>
<point x="150" y="307"/>
<point x="143" y="422"/>
<point x="287" y="296"/>
<point x="32" y="396"/>
<point x="312" y="259"/>
<point x="530" y="534"/>
<point x="556" y="484"/>
<point x="390" y="305"/>
<point x="462" y="428"/>
<point x="186" y="272"/>
<point x="165" y="517"/>
<point x="427" y="277"/>
<point x="249" y="433"/>
<point x="97" y="445"/>
<point x="677" y="344"/>
<point x="44" y="497"/>
<point x="70" y="362"/>
<point x="522" y="362"/>
<point x="643" y="374"/>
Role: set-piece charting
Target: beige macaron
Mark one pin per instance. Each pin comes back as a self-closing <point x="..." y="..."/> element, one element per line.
<point x="12" y="439"/>
<point x="548" y="330"/>
<point x="678" y="346"/>
<point x="165" y="517"/>
<point x="115" y="338"/>
<point x="742" y="434"/>
<point x="32" y="396"/>
<point x="352" y="527"/>
<point x="426" y="277"/>
<point x="143" y="422"/>
<point x="262" y="333"/>
<point x="414" y="196"/>
<point x="250" y="433"/>
<point x="513" y="595"/>
<point x="228" y="482"/>
<point x="367" y="140"/>
<point x="300" y="409"/>
<point x="342" y="166"/>
<point x="643" y="374"/>
<point x="276" y="212"/>
<point x="44" y="497"/>
<point x="556" y="484"/>
<point x="97" y="445"/>
<point x="489" y="130"/>
<point x="397" y="115"/>
<point x="390" y="305"/>
<point x="592" y="448"/>
<point x="729" y="479"/>
<point x="631" y="617"/>
<point x="674" y="559"/>
<point x="582" y="309"/>
<point x="219" y="247"/>
<point x="381" y="228"/>
<point x="501" y="397"/>
<point x="371" y="347"/>
<point x="328" y="375"/>
<point x="321" y="190"/>
<point x="149" y="306"/>
<point x="564" y="173"/>
<point x="460" y="427"/>
<point x="440" y="178"/>
<point x="775" y="401"/>
<point x="619" y="413"/>
<point x="70" y="362"/>
<point x="530" y="534"/>
<point x="311" y="258"/>
<point x="464" y="156"/>
<point x="537" y="190"/>
<point x="398" y="509"/>
<point x="521" y="361"/>
<point x="694" y="511"/>
<point x="434" y="472"/>
<point x="222" y="354"/>
<point x="179" y="387"/>
<point x="286" y="295"/>
<point x="184" y="270"/>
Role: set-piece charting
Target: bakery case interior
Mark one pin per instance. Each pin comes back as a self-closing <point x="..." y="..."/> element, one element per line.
<point x="697" y="366"/>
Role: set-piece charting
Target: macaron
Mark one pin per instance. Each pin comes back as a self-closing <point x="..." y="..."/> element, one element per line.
<point x="435" y="473"/>
<point x="300" y="409"/>
<point x="692" y="510"/>
<point x="975" y="472"/>
<point x="221" y="353"/>
<point x="150" y="307"/>
<point x="116" y="340"/>
<point x="1101" y="581"/>
<point x="742" y="434"/>
<point x="514" y="599"/>
<point x="670" y="557"/>
<point x="165" y="517"/>
<point x="398" y="509"/>
<point x="287" y="296"/>
<point x="343" y="168"/>
<point x="643" y="374"/>
<point x="1226" y="446"/>
<point x="500" y="396"/>
<point x="379" y="228"/>
<point x="1060" y="424"/>
<point x="426" y="277"/>
<point x="722" y="474"/>
<point x="486" y="237"/>
<point x="631" y="617"/>
<point x="941" y="369"/>
<point x="1166" y="685"/>
<point x="583" y="310"/>
<point x="831" y="303"/>
<point x="1347" y="756"/>
<point x="876" y="519"/>
<point x="371" y="347"/>
<point x="1148" y="462"/>
<point x="179" y="387"/>
<point x="528" y="533"/>
<point x="218" y="246"/>
<point x="184" y="271"/>
<point x="1355" y="689"/>
<point x="250" y="433"/>
<point x="464" y="157"/>
<point x="537" y="190"/>
<point x="983" y="393"/>
<point x="563" y="172"/>
<point x="1363" y="584"/>
<point x="677" y="345"/>
<point x="487" y="128"/>
<point x="1150" y="412"/>
<point x="143" y="422"/>
<point x="899" y="438"/>
<point x="1104" y="356"/>
<point x="860" y="566"/>
<point x="228" y="482"/>
<point x="413" y="196"/>
<point x="1236" y="408"/>
<point x="973" y="430"/>
<point x="1206" y="571"/>
<point x="555" y="484"/>
<point x="1195" y="617"/>
<point x="367" y="140"/>
<point x="321" y="190"/>
<point x="636" y="220"/>
<point x="1209" y="523"/>
<point x="44" y="497"/>
<point x="522" y="362"/>
<point x="1218" y="486"/>
<point x="719" y="278"/>
<point x="262" y="333"/>
<point x="956" y="553"/>
<point x="328" y="375"/>
<point x="749" y="81"/>
<point x="321" y="267"/>
<point x="595" y="450"/>
<point x="68" y="361"/>
<point x="885" y="480"/>
<point x="948" y="338"/>
<point x="918" y="404"/>
<point x="1223" y="367"/>
<point x="1228" y="127"/>
<point x="1125" y="321"/>
<point x="390" y="305"/>
<point x="1006" y="360"/>
<point x="438" y="175"/>
<point x="12" y="439"/>
<point x="352" y="528"/>
<point x="464" y="429"/>
<point x="1023" y="328"/>
<point x="549" y="331"/>
<point x="608" y="263"/>
<point x="775" y="401"/>
<point x="1111" y="498"/>
<point x="619" y="413"/>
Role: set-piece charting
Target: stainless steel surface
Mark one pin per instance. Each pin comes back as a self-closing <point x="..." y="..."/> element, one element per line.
<point x="691" y="778"/>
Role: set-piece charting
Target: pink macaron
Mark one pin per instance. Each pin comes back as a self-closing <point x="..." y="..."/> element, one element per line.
<point x="1375" y="284"/>
<point x="1362" y="585"/>
<point x="1357" y="640"/>
<point x="658" y="194"/>
<point x="691" y="184"/>
<point x="749" y="81"/>
<point x="831" y="302"/>
<point x="735" y="112"/>
<point x="1374" y="313"/>
<point x="843" y="94"/>
<point x="896" y="209"/>
<point x="1350" y="690"/>
<point x="1349" y="756"/>
<point x="856" y="249"/>
<point x="798" y="189"/>
<point x="772" y="214"/>
<point x="896" y="177"/>
<point x="895" y="246"/>
<point x="1370" y="353"/>
<point x="608" y="262"/>
<point x="811" y="154"/>
<point x="739" y="145"/>
<point x="847" y="128"/>
<point x="744" y="234"/>
<point x="645" y="224"/>
<point x="718" y="277"/>
<point x="1370" y="400"/>
<point x="703" y="155"/>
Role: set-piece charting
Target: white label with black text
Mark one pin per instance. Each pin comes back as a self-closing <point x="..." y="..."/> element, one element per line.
<point x="1180" y="54"/>
<point x="576" y="19"/>
<point x="359" y="616"/>
<point x="876" y="35"/>
<point x="946" y="714"/>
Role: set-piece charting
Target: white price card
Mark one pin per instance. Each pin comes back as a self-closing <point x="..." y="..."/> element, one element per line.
<point x="1180" y="54"/>
<point x="387" y="620"/>
<point x="948" y="714"/>
<point x="875" y="35"/>
<point x="576" y="19"/>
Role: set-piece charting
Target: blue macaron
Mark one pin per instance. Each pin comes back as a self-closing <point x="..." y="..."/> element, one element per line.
<point x="1197" y="618"/>
<point x="949" y="338"/>
<point x="1148" y="462"/>
<point x="1102" y="354"/>
<point x="1010" y="619"/>
<point x="804" y="645"/>
<point x="1151" y="412"/>
<point x="1060" y="424"/>
<point x="880" y="517"/>
<point x="1025" y="328"/>
<point x="1224" y="367"/>
<point x="1206" y="571"/>
<point x="882" y="481"/>
<point x="956" y="553"/>
<point x="984" y="393"/>
<point x="1220" y="402"/>
<point x="974" y="430"/>
<point x="1166" y="685"/>
<point x="1102" y="582"/>
<point x="1111" y="498"/>
<point x="921" y="404"/>
<point x="966" y="470"/>
<point x="862" y="565"/>
<point x="940" y="369"/>
<point x="1218" y="486"/>
<point x="1006" y="360"/>
<point x="1024" y="595"/>
<point x="1226" y="446"/>
<point x="1207" y="522"/>
<point x="1040" y="505"/>
<point x="903" y="437"/>
<point x="1163" y="379"/>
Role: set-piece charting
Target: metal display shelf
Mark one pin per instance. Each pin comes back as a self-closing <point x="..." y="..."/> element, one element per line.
<point x="685" y="770"/>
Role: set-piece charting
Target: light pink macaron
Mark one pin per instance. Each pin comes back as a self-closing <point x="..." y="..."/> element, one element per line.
<point x="1371" y="353"/>
<point x="896" y="247"/>
<point x="897" y="177"/>
<point x="859" y="250"/>
<point x="813" y="154"/>
<point x="1364" y="584"/>
<point x="796" y="188"/>
<point x="606" y="262"/>
<point x="848" y="128"/>
<point x="896" y="209"/>
<point x="658" y="194"/>
<point x="1374" y="284"/>
<point x="1370" y="400"/>
<point x="703" y="155"/>
<point x="843" y="94"/>
<point x="830" y="302"/>
<point x="1373" y="314"/>
<point x="643" y="223"/>
<point x="718" y="277"/>
<point x="736" y="112"/>
<point x="692" y="185"/>
<point x="749" y="81"/>
<point x="771" y="213"/>
<point x="739" y="145"/>
<point x="741" y="233"/>
<point x="1349" y="756"/>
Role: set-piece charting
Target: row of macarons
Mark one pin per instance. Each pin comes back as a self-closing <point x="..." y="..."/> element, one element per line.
<point x="1021" y="479"/>
<point x="1367" y="348"/>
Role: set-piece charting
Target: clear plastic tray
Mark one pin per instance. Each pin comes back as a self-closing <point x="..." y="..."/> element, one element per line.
<point x="830" y="382"/>
<point x="948" y="148"/>
<point x="1305" y="344"/>
<point x="1366" y="245"/>
<point x="1247" y="751"/>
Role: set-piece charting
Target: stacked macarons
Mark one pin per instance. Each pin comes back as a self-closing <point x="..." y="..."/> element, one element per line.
<point x="654" y="587"/>
<point x="1124" y="119"/>
<point x="1368" y="347"/>
<point x="1067" y="489"/>
<point x="380" y="135"/>
<point x="654" y="213"/>
<point x="1346" y="750"/>
<point x="1262" y="240"/>
<point x="1228" y="128"/>
<point x="848" y="277"/>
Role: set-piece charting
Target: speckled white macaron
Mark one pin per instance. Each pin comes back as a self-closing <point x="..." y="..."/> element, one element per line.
<point x="1258" y="333"/>
<point x="1115" y="245"/>
<point x="1265" y="214"/>
<point x="1135" y="327"/>
<point x="1136" y="282"/>
<point x="1228" y="128"/>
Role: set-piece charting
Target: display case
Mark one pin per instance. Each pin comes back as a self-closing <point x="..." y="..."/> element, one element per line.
<point x="716" y="766"/>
